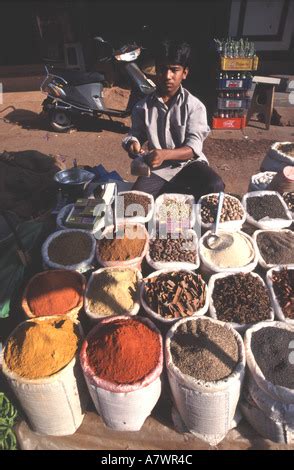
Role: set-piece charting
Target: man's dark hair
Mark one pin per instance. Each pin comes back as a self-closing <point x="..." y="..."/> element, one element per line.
<point x="172" y="52"/>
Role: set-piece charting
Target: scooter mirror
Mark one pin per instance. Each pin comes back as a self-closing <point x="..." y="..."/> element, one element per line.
<point x="99" y="39"/>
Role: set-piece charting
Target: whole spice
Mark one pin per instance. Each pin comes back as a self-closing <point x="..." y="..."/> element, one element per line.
<point x="54" y="293"/>
<point x="238" y="254"/>
<point x="241" y="298"/>
<point x="289" y="200"/>
<point x="39" y="349"/>
<point x="283" y="284"/>
<point x="204" y="350"/>
<point x="231" y="210"/>
<point x="172" y="208"/>
<point x="70" y="248"/>
<point x="112" y="292"/>
<point x="123" y="249"/>
<point x="276" y="247"/>
<point x="271" y="349"/>
<point x="266" y="206"/>
<point x="175" y="294"/>
<point x="124" y="351"/>
<point x="173" y="249"/>
<point x="142" y="202"/>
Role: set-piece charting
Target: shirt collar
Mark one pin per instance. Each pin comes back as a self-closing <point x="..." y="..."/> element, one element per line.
<point x="179" y="95"/>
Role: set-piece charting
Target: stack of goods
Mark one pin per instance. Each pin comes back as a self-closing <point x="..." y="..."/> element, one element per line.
<point x="234" y="79"/>
<point x="275" y="247"/>
<point x="112" y="291"/>
<point x="283" y="285"/>
<point x="56" y="292"/>
<point x="171" y="249"/>
<point x="173" y="295"/>
<point x="69" y="248"/>
<point x="237" y="251"/>
<point x="240" y="298"/>
<point x="232" y="209"/>
<point x="86" y="214"/>
<point x="269" y="393"/>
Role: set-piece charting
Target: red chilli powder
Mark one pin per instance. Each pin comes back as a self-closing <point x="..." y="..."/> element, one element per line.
<point x="124" y="351"/>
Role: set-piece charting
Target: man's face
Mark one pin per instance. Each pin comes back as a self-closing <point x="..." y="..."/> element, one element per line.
<point x="169" y="77"/>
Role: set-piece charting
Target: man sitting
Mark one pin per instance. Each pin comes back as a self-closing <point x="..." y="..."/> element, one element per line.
<point x="173" y="122"/>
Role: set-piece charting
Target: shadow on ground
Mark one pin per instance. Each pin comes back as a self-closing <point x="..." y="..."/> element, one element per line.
<point x="33" y="121"/>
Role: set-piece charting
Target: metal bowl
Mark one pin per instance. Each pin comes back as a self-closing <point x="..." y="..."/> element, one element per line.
<point x="74" y="177"/>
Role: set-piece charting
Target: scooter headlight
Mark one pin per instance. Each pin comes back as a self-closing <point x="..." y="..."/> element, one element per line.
<point x="56" y="90"/>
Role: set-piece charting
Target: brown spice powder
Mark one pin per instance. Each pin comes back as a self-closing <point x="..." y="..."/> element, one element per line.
<point x="122" y="249"/>
<point x="70" y="248"/>
<point x="39" y="349"/>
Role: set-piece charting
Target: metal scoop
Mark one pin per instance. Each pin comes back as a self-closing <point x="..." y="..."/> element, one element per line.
<point x="215" y="241"/>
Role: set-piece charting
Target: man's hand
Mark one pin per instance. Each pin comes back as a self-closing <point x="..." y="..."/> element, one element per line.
<point x="134" y="148"/>
<point x="156" y="157"/>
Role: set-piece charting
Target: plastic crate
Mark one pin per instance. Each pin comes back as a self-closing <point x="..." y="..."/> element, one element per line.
<point x="239" y="63"/>
<point x="231" y="103"/>
<point x="229" y="123"/>
<point x="234" y="84"/>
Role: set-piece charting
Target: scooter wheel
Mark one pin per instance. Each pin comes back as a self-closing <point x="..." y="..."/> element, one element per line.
<point x="60" y="121"/>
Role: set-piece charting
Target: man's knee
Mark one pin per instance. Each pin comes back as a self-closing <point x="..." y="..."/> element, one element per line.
<point x="215" y="184"/>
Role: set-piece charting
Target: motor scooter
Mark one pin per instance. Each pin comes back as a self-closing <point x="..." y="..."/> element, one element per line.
<point x="72" y="93"/>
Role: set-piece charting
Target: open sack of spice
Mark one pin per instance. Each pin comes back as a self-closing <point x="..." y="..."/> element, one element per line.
<point x="275" y="247"/>
<point x="239" y="299"/>
<point x="280" y="281"/>
<point x="72" y="249"/>
<point x="54" y="292"/>
<point x="113" y="291"/>
<point x="173" y="251"/>
<point x="239" y="254"/>
<point x="122" y="360"/>
<point x="205" y="363"/>
<point x="169" y="295"/>
<point x="266" y="210"/>
<point x="124" y="245"/>
<point x="232" y="215"/>
<point x="268" y="396"/>
<point x="176" y="212"/>
<point x="42" y="368"/>
<point x="135" y="206"/>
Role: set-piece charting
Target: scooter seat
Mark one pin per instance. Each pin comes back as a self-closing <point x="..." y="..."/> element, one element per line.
<point x="76" y="77"/>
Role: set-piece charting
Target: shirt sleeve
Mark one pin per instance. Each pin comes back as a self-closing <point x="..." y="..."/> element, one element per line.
<point x="137" y="132"/>
<point x="197" y="128"/>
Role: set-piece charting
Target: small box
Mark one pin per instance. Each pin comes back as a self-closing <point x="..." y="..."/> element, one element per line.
<point x="229" y="123"/>
<point x="239" y="63"/>
<point x="83" y="215"/>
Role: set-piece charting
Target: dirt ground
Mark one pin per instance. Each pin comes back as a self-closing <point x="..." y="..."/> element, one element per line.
<point x="235" y="155"/>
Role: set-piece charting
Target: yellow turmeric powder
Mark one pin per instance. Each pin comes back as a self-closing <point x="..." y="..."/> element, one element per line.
<point x="40" y="348"/>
